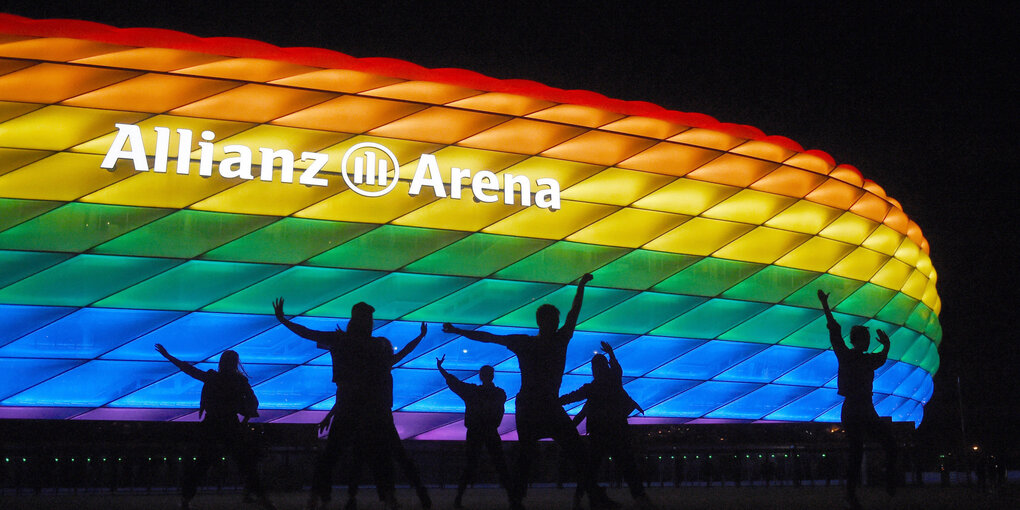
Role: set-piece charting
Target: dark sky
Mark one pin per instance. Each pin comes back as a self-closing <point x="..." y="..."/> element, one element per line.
<point x="917" y="98"/>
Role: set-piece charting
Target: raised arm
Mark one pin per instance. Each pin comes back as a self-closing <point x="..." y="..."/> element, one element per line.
<point x="456" y="385"/>
<point x="299" y="330"/>
<point x="407" y="349"/>
<point x="883" y="339"/>
<point x="478" y="336"/>
<point x="575" y="307"/>
<point x="835" y="332"/>
<point x="576" y="395"/>
<point x="614" y="364"/>
<point x="185" y="367"/>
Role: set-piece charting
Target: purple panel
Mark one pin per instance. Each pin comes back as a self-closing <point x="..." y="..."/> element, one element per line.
<point x="131" y="414"/>
<point x="453" y="432"/>
<point x="301" y="417"/>
<point x="413" y="424"/>
<point x="39" y="413"/>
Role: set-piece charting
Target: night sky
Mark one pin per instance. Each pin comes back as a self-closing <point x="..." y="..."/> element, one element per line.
<point x="917" y="98"/>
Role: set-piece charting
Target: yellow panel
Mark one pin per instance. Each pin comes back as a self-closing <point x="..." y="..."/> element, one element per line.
<point x="471" y="159"/>
<point x="763" y="245"/>
<point x="670" y="158"/>
<point x="11" y="110"/>
<point x="522" y="136"/>
<point x="686" y="196"/>
<point x="501" y="102"/>
<point x="247" y="69"/>
<point x="599" y="147"/>
<point x="277" y="137"/>
<point x="616" y="186"/>
<point x="835" y="193"/>
<point x="930" y="296"/>
<point x="349" y="114"/>
<point x="151" y="59"/>
<point x="12" y="159"/>
<point x="406" y="151"/>
<point x="222" y="128"/>
<point x="629" y="228"/>
<point x="150" y="189"/>
<point x="790" y="181"/>
<point x="350" y="206"/>
<point x="804" y="216"/>
<point x="938" y="306"/>
<point x="848" y="175"/>
<point x="439" y="125"/>
<point x="645" y="126"/>
<point x="707" y="138"/>
<point x="59" y="127"/>
<point x="914" y="233"/>
<point x="62" y="176"/>
<point x="577" y="114"/>
<point x="817" y="254"/>
<point x="9" y="66"/>
<point x="699" y="236"/>
<point x="567" y="173"/>
<point x="155" y="93"/>
<point x="809" y="162"/>
<point x="892" y="275"/>
<point x="763" y="150"/>
<point x="916" y="285"/>
<point x="270" y="198"/>
<point x="883" y="239"/>
<point x="897" y="220"/>
<point x="861" y="264"/>
<point x="337" y="80"/>
<point x="56" y="48"/>
<point x="423" y="92"/>
<point x="543" y="223"/>
<point x="924" y="265"/>
<point x="52" y="83"/>
<point x="253" y="103"/>
<point x="749" y="206"/>
<point x="849" y="228"/>
<point x="910" y="253"/>
<point x="871" y="206"/>
<point x="458" y="214"/>
<point x="733" y="170"/>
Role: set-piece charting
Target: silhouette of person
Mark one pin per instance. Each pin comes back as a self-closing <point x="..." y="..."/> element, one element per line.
<point x="226" y="394"/>
<point x="855" y="378"/>
<point x="542" y="359"/>
<point x="483" y="412"/>
<point x="606" y="408"/>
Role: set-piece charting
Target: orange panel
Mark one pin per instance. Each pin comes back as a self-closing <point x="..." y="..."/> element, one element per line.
<point x="670" y="159"/>
<point x="253" y="103"/>
<point x="423" y="92"/>
<point x="439" y="125"/>
<point x="848" y="175"/>
<point x="6" y="38"/>
<point x="151" y="93"/>
<point x="51" y="83"/>
<point x="501" y="102"/>
<point x="809" y="162"/>
<point x="522" y="136"/>
<point x="349" y="114"/>
<point x="914" y="233"/>
<point x="708" y="138"/>
<point x="599" y="148"/>
<point x="875" y="188"/>
<point x="644" y="126"/>
<point x="897" y="220"/>
<point x="337" y="80"/>
<point x="151" y="59"/>
<point x="871" y="207"/>
<point x="56" y="48"/>
<point x="763" y="150"/>
<point x="835" y="193"/>
<point x="789" y="181"/>
<point x="9" y="66"/>
<point x="733" y="170"/>
<point x="576" y="114"/>
<point x="247" y="69"/>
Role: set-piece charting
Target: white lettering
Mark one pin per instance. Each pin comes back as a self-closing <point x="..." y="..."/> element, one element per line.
<point x="162" y="149"/>
<point x="308" y="177"/>
<point x="126" y="133"/>
<point x="427" y="163"/>
<point x="184" y="151"/>
<point x="457" y="176"/>
<point x="242" y="160"/>
<point x="522" y="182"/>
<point x="484" y="181"/>
<point x="286" y="158"/>
<point x="205" y="154"/>
<point x="548" y="198"/>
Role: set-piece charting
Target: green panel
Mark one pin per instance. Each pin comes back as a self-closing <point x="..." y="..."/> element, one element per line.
<point x="917" y="353"/>
<point x="83" y="279"/>
<point x="190" y="286"/>
<point x="596" y="299"/>
<point x="184" y="234"/>
<point x="387" y="248"/>
<point x="640" y="269"/>
<point x="15" y="210"/>
<point x="709" y="277"/>
<point x="395" y="295"/>
<point x="710" y="319"/>
<point x="931" y="362"/>
<point x="15" y="265"/>
<point x="902" y="340"/>
<point x="867" y="301"/>
<point x="898" y="309"/>
<point x="816" y="334"/>
<point x="641" y="313"/>
<point x="873" y="327"/>
<point x="289" y="241"/>
<point x="934" y="330"/>
<point x="770" y="285"/>
<point x="919" y="318"/>
<point x="482" y="302"/>
<point x="837" y="287"/>
<point x="303" y="288"/>
<point x="478" y="255"/>
<point x="772" y="325"/>
<point x="76" y="227"/>
<point x="562" y="262"/>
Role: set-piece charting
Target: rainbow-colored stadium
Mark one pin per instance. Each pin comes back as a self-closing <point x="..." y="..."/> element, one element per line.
<point x="122" y="226"/>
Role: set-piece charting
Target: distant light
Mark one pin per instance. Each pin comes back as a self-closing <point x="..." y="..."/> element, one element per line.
<point x="464" y="351"/>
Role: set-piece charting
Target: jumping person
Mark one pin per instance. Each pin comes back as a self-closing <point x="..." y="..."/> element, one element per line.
<point x="855" y="379"/>
<point x="483" y="412"/>
<point x="226" y="394"/>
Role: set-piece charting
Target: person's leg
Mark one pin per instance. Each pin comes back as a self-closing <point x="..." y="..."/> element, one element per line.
<point x="563" y="432"/>
<point x="209" y="449"/>
<point x="472" y="448"/>
<point x="321" y="484"/>
<point x="622" y="451"/>
<point x="882" y="431"/>
<point x="408" y="467"/>
<point x="494" y="445"/>
<point x="851" y="421"/>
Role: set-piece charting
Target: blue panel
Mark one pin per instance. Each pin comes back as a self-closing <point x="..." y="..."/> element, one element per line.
<point x="464" y="354"/>
<point x="701" y="399"/>
<point x="924" y="394"/>
<point x="833" y="415"/>
<point x="19" y="374"/>
<point x="648" y="352"/>
<point x="296" y="389"/>
<point x="93" y="384"/>
<point x="401" y="332"/>
<point x="181" y="390"/>
<point x="411" y="385"/>
<point x="888" y="405"/>
<point x="196" y="336"/>
<point x="892" y="377"/>
<point x="325" y="405"/>
<point x="19" y="320"/>
<point x="808" y="407"/>
<point x="585" y="344"/>
<point x="444" y="400"/>
<point x="768" y="365"/>
<point x="912" y="384"/>
<point x="87" y="333"/>
<point x="760" y="402"/>
<point x="708" y="360"/>
<point x="902" y="413"/>
<point x="280" y="345"/>
<point x="814" y="372"/>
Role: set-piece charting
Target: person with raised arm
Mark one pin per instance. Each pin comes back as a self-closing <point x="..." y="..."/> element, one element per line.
<point x="226" y="394"/>
<point x="542" y="359"/>
<point x="854" y="381"/>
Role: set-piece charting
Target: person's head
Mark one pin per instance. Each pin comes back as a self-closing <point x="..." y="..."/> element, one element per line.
<point x="361" y="319"/>
<point x="860" y="338"/>
<point x="548" y="318"/>
<point x="229" y="362"/>
<point x="486" y="373"/>
<point x="599" y="366"/>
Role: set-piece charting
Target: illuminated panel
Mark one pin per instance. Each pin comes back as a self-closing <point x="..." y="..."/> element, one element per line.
<point x="239" y="173"/>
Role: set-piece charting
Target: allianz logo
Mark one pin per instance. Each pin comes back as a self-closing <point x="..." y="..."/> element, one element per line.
<point x="369" y="169"/>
